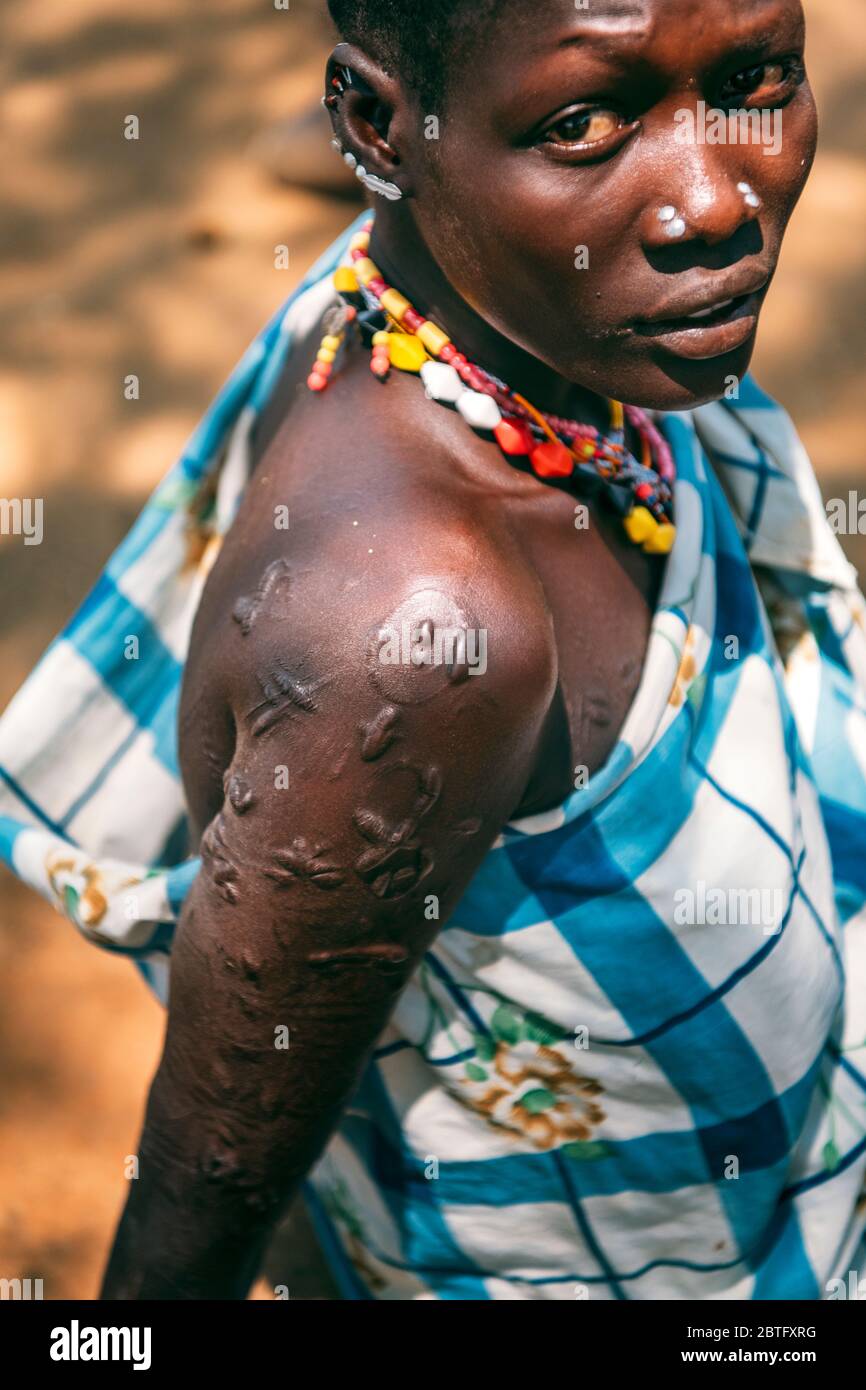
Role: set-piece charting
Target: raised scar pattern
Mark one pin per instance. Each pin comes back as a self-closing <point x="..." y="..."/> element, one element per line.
<point x="284" y="695"/>
<point x="468" y="827"/>
<point x="420" y="649"/>
<point x="247" y="608"/>
<point x="224" y="873"/>
<point x="383" y="957"/>
<point x="378" y="735"/>
<point x="397" y="860"/>
<point x="239" y="793"/>
<point x="305" y="861"/>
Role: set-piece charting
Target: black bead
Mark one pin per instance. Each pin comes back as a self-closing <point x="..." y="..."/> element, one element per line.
<point x="619" y="497"/>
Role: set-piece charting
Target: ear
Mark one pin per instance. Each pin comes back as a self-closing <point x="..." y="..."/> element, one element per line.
<point x="368" y="108"/>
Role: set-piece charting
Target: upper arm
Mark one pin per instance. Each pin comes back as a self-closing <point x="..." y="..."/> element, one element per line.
<point x="361" y="788"/>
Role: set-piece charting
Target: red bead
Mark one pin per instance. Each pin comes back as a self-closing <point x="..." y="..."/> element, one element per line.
<point x="316" y="381"/>
<point x="643" y="491"/>
<point x="458" y="360"/>
<point x="377" y="285"/>
<point x="448" y="353"/>
<point x="351" y="313"/>
<point x="412" y="320"/>
<point x="514" y="437"/>
<point x="476" y="380"/>
<point x="552" y="460"/>
<point x="324" y="368"/>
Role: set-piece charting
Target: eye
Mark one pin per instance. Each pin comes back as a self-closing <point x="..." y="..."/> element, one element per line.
<point x="767" y="84"/>
<point x="590" y="126"/>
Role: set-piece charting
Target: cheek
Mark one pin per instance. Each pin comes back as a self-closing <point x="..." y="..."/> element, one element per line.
<point x="517" y="247"/>
<point x="781" y="175"/>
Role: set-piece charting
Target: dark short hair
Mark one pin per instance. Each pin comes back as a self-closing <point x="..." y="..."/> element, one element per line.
<point x="412" y="39"/>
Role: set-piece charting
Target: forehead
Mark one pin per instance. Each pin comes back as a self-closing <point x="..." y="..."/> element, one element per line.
<point x="520" y="32"/>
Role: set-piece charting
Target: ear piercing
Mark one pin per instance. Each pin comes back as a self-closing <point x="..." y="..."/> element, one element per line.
<point x="673" y="224"/>
<point x="383" y="187"/>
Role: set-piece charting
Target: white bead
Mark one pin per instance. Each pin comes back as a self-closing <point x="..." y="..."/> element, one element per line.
<point x="376" y="185"/>
<point x="478" y="410"/>
<point x="744" y="187"/>
<point x="667" y="214"/>
<point x="442" y="382"/>
<point x="676" y="228"/>
<point x="752" y="200"/>
<point x="350" y="159"/>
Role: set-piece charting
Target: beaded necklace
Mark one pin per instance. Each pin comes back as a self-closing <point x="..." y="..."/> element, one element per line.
<point x="557" y="449"/>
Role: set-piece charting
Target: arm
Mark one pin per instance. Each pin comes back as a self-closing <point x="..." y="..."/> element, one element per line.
<point x="308" y="916"/>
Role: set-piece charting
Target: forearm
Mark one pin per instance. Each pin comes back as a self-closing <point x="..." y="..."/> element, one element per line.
<point x="221" y="1156"/>
<point x="179" y="1240"/>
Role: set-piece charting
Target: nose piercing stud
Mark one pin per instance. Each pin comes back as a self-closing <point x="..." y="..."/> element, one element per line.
<point x="673" y="224"/>
<point x="750" y="197"/>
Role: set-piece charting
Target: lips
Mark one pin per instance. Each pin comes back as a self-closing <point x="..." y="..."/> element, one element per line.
<point x="706" y="325"/>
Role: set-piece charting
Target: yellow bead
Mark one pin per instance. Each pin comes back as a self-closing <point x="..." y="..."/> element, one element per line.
<point x="662" y="539"/>
<point x="345" y="280"/>
<point x="394" y="303"/>
<point x="360" y="241"/>
<point x="381" y="339"/>
<point x="433" y="338"/>
<point x="407" y="354"/>
<point x="366" y="270"/>
<point x="325" y="355"/>
<point x="331" y="341"/>
<point x="640" y="525"/>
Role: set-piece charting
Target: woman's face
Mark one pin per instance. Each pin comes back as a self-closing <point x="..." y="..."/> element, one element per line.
<point x="571" y="126"/>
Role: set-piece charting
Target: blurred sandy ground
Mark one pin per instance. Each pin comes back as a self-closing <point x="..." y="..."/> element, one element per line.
<point x="157" y="257"/>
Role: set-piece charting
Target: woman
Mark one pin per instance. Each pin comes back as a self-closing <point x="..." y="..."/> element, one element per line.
<point x="524" y="859"/>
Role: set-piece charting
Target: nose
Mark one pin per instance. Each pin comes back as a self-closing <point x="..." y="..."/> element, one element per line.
<point x="699" y="202"/>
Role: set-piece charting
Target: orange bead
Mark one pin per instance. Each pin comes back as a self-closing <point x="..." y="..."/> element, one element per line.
<point x="380" y="366"/>
<point x="552" y="460"/>
<point x="316" y="381"/>
<point x="514" y="437"/>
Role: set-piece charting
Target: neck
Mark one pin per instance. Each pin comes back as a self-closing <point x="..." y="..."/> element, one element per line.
<point x="405" y="261"/>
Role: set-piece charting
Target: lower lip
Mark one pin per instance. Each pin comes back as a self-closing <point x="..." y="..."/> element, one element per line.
<point x="700" y="339"/>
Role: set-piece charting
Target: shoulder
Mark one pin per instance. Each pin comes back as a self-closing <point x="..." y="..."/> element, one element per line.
<point x="392" y="605"/>
<point x="390" y="559"/>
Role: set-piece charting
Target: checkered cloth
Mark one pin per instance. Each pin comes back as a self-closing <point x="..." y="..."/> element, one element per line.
<point x="633" y="1064"/>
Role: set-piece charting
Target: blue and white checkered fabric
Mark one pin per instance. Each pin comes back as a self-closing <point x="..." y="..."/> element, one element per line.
<point x="633" y="1065"/>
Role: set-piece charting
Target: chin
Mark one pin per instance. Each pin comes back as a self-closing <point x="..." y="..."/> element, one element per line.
<point x="674" y="383"/>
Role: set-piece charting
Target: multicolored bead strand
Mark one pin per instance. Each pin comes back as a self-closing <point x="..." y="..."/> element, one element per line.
<point x="557" y="449"/>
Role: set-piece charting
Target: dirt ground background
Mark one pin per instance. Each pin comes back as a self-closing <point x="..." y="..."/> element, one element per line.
<point x="156" y="257"/>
